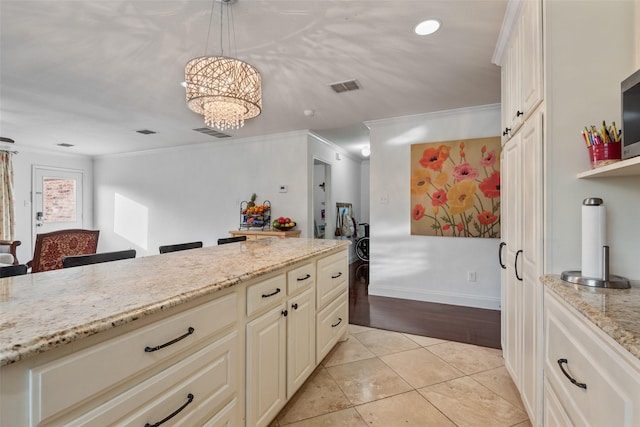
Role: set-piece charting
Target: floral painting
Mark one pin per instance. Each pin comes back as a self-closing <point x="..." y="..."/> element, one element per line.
<point x="455" y="188"/>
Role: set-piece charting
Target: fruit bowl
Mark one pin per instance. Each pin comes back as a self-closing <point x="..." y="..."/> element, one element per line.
<point x="284" y="227"/>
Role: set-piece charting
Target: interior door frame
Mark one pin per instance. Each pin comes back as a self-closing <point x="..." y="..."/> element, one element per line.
<point x="328" y="216"/>
<point x="34" y="209"/>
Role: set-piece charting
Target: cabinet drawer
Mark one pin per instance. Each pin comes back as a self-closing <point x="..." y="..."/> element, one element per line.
<point x="554" y="415"/>
<point x="331" y="325"/>
<point x="86" y="373"/>
<point x="265" y="294"/>
<point x="612" y="393"/>
<point x="300" y="278"/>
<point x="209" y="376"/>
<point x="333" y="277"/>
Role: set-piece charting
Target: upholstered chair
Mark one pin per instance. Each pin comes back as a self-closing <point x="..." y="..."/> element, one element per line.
<point x="51" y="247"/>
<point x="8" y="251"/>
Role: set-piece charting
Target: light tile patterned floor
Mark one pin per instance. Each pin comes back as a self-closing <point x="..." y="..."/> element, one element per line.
<point x="387" y="379"/>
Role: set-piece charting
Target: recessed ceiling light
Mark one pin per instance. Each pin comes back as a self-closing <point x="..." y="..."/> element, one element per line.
<point x="366" y="151"/>
<point x="427" y="27"/>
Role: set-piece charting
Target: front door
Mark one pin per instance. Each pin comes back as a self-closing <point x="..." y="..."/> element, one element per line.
<point x="57" y="199"/>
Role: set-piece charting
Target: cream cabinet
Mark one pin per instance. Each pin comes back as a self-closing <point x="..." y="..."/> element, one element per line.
<point x="232" y="358"/>
<point x="280" y="342"/>
<point x="521" y="258"/>
<point x="590" y="380"/>
<point x="521" y="74"/>
<point x="186" y="361"/>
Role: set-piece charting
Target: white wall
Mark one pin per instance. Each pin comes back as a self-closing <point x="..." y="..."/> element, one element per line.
<point x="423" y="267"/>
<point x="23" y="163"/>
<point x="578" y="95"/>
<point x="193" y="193"/>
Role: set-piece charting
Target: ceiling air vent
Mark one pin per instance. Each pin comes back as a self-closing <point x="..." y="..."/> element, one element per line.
<point x="146" y="132"/>
<point x="64" y="144"/>
<point x="212" y="132"/>
<point x="345" y="86"/>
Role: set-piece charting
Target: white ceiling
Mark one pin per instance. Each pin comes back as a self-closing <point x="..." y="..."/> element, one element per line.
<point x="92" y="72"/>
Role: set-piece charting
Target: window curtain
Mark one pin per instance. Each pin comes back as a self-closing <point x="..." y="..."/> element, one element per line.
<point x="6" y="196"/>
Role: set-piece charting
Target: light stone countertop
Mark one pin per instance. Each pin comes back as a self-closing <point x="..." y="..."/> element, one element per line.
<point x="615" y="311"/>
<point x="45" y="310"/>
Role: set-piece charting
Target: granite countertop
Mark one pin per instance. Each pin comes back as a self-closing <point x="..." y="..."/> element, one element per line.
<point x="615" y="311"/>
<point x="45" y="310"/>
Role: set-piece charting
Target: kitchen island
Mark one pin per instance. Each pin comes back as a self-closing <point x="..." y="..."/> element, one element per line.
<point x="208" y="331"/>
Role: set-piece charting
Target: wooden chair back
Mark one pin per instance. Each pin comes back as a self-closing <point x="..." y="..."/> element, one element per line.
<point x="13" y="270"/>
<point x="51" y="247"/>
<point x="225" y="240"/>
<point x="179" y="247"/>
<point x="78" y="260"/>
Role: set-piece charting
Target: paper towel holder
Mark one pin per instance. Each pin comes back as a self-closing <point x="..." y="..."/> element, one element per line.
<point x="610" y="281"/>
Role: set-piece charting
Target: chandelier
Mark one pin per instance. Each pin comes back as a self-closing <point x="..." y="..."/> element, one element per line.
<point x="226" y="91"/>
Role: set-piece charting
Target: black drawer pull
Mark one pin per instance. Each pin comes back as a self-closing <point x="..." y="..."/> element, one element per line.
<point x="335" y="277"/>
<point x="516" y="265"/>
<point x="566" y="374"/>
<point x="502" y="245"/>
<point x="271" y="294"/>
<point x="294" y="305"/>
<point x="284" y="313"/>
<point x="300" y="279"/>
<point x="189" y="332"/>
<point x="176" y="412"/>
<point x="339" y="321"/>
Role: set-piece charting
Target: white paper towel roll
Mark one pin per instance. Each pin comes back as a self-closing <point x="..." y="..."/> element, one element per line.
<point x="593" y="239"/>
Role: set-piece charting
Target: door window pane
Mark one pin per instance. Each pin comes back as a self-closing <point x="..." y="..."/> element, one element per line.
<point x="59" y="199"/>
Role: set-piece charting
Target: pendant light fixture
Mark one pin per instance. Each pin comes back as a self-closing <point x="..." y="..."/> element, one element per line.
<point x="225" y="90"/>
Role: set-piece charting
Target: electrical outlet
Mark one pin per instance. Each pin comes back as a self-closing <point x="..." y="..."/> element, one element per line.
<point x="384" y="199"/>
<point x="471" y="276"/>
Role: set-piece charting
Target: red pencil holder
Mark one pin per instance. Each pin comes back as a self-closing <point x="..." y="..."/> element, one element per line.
<point x="605" y="154"/>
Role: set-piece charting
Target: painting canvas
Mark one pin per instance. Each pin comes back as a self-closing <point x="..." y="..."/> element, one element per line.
<point x="455" y="188"/>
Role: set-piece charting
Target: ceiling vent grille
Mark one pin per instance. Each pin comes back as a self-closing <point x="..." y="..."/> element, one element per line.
<point x="146" y="132"/>
<point x="212" y="132"/>
<point x="345" y="86"/>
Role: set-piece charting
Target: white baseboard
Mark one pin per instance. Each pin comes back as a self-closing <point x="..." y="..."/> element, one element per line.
<point x="477" y="301"/>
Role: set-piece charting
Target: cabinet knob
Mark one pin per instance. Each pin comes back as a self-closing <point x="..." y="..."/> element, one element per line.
<point x="294" y="305"/>
<point x="506" y="131"/>
<point x="519" y="113"/>
<point x="285" y="313"/>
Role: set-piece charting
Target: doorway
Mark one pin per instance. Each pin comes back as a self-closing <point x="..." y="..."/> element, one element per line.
<point x="321" y="186"/>
<point x="57" y="199"/>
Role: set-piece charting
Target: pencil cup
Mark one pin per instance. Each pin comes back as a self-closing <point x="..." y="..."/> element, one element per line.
<point x="605" y="154"/>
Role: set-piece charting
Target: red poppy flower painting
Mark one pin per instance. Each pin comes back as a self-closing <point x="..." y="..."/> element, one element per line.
<point x="455" y="188"/>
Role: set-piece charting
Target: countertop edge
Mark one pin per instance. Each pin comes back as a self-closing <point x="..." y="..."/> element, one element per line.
<point x="628" y="340"/>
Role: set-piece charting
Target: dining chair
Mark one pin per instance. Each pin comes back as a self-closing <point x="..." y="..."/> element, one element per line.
<point x="13" y="270"/>
<point x="50" y="248"/>
<point x="8" y="247"/>
<point x="179" y="247"/>
<point x="225" y="240"/>
<point x="78" y="260"/>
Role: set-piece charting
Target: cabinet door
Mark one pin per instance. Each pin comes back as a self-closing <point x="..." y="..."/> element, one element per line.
<point x="531" y="44"/>
<point x="301" y="340"/>
<point x="266" y="366"/>
<point x="530" y="264"/>
<point x="511" y="226"/>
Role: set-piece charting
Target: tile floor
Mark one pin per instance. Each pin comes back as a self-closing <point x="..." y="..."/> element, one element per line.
<point x="383" y="378"/>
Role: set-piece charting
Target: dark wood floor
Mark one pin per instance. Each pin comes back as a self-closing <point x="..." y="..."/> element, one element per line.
<point x="450" y="322"/>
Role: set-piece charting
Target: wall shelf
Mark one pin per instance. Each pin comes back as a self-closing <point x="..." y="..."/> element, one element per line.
<point x="626" y="167"/>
